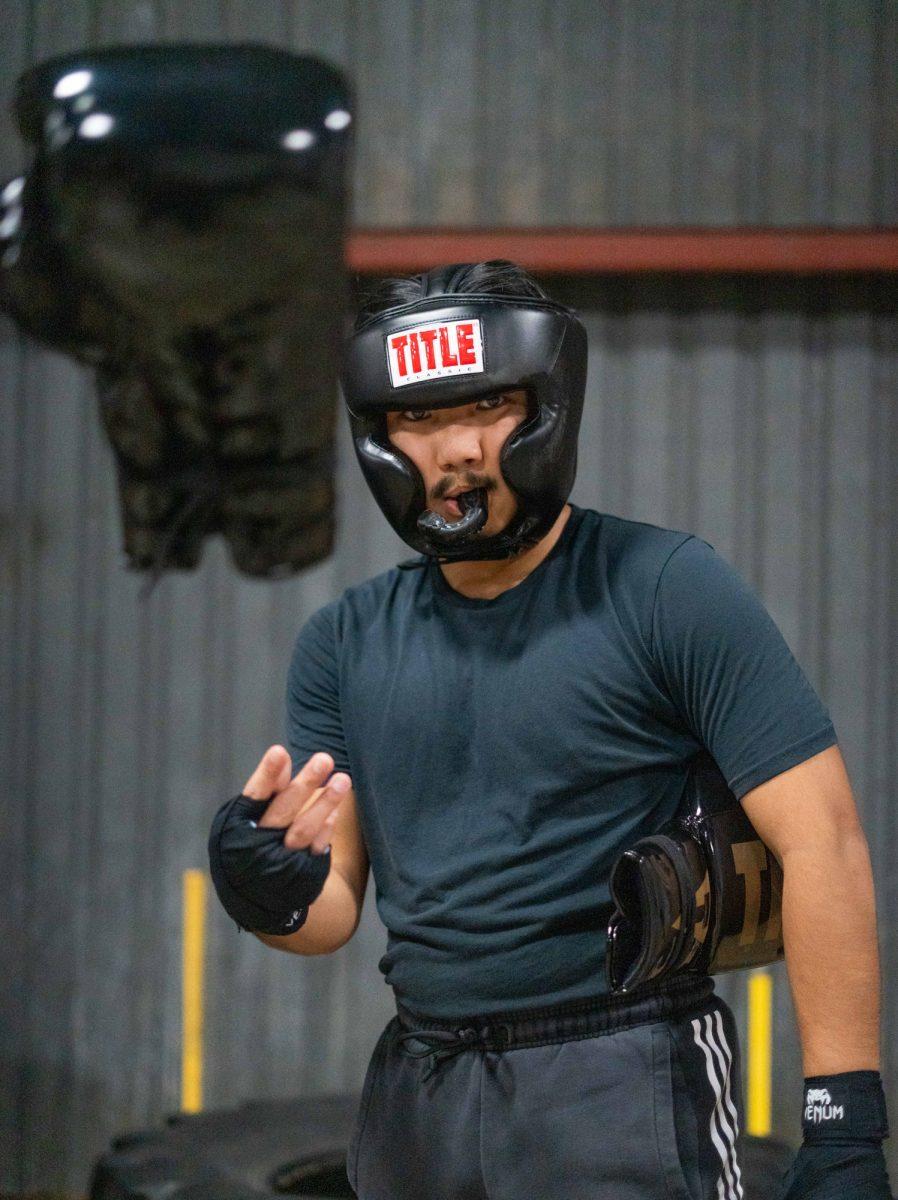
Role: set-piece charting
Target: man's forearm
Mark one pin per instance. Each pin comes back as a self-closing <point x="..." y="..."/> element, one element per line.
<point x="829" y="927"/>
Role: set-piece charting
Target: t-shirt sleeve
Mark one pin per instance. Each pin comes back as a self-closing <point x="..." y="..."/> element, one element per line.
<point x="314" y="719"/>
<point x="729" y="671"/>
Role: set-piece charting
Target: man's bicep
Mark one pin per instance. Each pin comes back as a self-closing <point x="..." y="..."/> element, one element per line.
<point x="809" y="804"/>
<point x="729" y="672"/>
<point x="314" y="719"/>
<point x="349" y="854"/>
<point x="315" y="723"/>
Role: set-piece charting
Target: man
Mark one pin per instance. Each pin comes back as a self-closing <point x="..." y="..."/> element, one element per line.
<point x="491" y="725"/>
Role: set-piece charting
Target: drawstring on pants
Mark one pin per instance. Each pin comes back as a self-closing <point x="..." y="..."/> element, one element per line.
<point x="442" y="1044"/>
<point x="440" y="1039"/>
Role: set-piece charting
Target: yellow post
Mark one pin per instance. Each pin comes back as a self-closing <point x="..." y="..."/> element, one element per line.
<point x="193" y="948"/>
<point x="760" y="1037"/>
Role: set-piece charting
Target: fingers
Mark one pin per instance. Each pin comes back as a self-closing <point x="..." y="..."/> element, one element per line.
<point x="313" y="826"/>
<point x="271" y="775"/>
<point x="299" y="792"/>
<point x="305" y="806"/>
<point x="322" y="840"/>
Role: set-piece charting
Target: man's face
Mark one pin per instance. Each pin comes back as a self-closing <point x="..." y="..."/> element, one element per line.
<point x="457" y="449"/>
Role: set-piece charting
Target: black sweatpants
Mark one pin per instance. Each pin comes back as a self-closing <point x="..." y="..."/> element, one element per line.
<point x="611" y="1099"/>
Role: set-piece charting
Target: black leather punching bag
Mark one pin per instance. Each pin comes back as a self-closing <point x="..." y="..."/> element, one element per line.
<point x="180" y="228"/>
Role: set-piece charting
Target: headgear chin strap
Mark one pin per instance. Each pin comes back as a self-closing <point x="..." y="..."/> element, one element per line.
<point x="447" y="350"/>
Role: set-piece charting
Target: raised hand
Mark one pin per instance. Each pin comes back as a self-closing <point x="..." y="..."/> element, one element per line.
<point x="305" y="806"/>
<point x="269" y="854"/>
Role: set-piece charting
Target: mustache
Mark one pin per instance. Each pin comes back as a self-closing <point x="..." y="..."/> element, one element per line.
<point x="469" y="483"/>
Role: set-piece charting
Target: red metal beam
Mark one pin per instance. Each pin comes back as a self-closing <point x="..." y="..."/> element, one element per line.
<point x="595" y="251"/>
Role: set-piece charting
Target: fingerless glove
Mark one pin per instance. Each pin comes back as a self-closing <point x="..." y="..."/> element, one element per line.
<point x="262" y="885"/>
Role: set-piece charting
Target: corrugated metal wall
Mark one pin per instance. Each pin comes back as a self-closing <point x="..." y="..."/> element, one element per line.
<point x="568" y="112"/>
<point x="760" y="415"/>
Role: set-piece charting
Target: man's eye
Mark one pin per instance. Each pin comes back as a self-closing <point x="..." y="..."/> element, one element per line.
<point x="412" y="415"/>
<point x="493" y="401"/>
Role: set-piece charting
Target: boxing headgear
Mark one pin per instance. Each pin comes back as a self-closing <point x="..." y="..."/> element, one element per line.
<point x="449" y="349"/>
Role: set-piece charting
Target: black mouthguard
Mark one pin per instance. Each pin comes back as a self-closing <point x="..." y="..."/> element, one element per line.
<point x="474" y="513"/>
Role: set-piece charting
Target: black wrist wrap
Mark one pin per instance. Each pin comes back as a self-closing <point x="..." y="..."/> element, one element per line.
<point x="262" y="885"/>
<point x="850" y="1106"/>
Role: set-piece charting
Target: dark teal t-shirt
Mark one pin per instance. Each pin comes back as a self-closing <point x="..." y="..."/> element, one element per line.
<point x="505" y="752"/>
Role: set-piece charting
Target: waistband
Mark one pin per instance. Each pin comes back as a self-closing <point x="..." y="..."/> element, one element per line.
<point x="573" y="1020"/>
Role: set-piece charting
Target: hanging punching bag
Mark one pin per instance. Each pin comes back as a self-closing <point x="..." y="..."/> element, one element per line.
<point x="180" y="229"/>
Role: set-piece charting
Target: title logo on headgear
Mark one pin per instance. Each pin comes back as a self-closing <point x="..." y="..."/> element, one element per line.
<point x="434" y="351"/>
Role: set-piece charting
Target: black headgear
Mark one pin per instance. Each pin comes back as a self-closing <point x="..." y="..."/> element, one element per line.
<point x="448" y="349"/>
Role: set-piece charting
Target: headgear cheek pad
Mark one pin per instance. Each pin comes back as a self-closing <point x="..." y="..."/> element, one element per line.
<point x="444" y="351"/>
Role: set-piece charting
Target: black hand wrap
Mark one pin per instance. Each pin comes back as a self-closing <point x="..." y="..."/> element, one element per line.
<point x="844" y="1122"/>
<point x="262" y="885"/>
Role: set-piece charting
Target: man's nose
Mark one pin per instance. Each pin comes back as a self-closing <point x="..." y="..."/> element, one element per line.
<point x="459" y="445"/>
